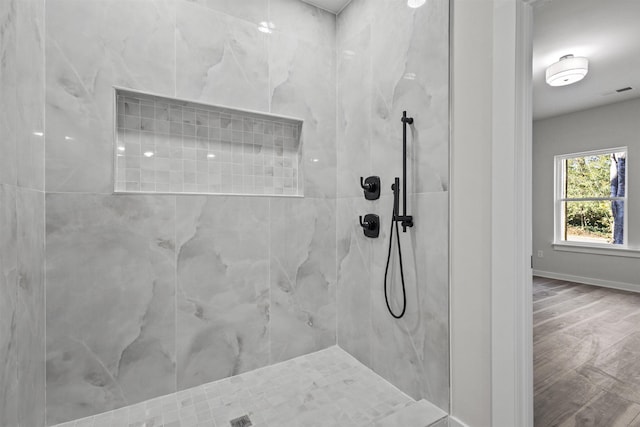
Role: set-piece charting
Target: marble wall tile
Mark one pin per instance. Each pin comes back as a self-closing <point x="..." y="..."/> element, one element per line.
<point x="8" y="221"/>
<point x="8" y="307"/>
<point x="31" y="93"/>
<point x="223" y="287"/>
<point x="303" y="21"/>
<point x="404" y="66"/>
<point x="117" y="42"/>
<point x="115" y="256"/>
<point x="30" y="307"/>
<point x="253" y="11"/>
<point x="354" y="18"/>
<point x="410" y="72"/>
<point x="432" y="244"/>
<point x="355" y="282"/>
<point x="302" y="84"/>
<point x="21" y="215"/>
<point x="110" y="302"/>
<point x="303" y="276"/>
<point x="8" y="106"/>
<point x="354" y="82"/>
<point x="413" y="352"/>
<point x="220" y="59"/>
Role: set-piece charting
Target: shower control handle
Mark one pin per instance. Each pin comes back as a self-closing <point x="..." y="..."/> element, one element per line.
<point x="370" y="225"/>
<point x="371" y="187"/>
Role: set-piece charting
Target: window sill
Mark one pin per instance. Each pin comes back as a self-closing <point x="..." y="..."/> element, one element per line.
<point x="597" y="249"/>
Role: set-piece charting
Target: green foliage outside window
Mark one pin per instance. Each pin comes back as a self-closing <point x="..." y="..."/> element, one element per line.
<point x="589" y="176"/>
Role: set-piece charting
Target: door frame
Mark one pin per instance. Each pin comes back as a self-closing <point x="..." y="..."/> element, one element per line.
<point x="511" y="299"/>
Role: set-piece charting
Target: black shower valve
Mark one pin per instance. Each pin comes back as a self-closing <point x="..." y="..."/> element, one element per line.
<point x="370" y="225"/>
<point x="371" y="187"/>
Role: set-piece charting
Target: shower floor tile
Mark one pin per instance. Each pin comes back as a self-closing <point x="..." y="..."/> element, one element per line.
<point x="327" y="388"/>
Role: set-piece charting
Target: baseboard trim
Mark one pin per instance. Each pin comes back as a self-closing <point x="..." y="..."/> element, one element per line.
<point x="623" y="286"/>
<point x="454" y="422"/>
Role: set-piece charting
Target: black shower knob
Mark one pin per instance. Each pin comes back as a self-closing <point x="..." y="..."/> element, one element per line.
<point x="370" y="225"/>
<point x="371" y="187"/>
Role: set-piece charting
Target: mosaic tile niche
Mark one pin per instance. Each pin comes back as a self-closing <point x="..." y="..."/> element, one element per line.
<point x="165" y="145"/>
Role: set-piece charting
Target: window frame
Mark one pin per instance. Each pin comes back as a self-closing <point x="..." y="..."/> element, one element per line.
<point x="558" y="213"/>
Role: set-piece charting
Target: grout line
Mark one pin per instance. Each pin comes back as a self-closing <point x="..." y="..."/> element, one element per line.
<point x="268" y="50"/>
<point x="175" y="49"/>
<point x="16" y="307"/>
<point x="175" y="294"/>
<point x="44" y="202"/>
<point x="372" y="360"/>
<point x="336" y="98"/>
<point x="270" y="314"/>
<point x="335" y="267"/>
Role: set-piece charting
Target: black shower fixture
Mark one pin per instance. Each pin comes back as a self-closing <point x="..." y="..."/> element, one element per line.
<point x="370" y="225"/>
<point x="404" y="219"/>
<point x="371" y="187"/>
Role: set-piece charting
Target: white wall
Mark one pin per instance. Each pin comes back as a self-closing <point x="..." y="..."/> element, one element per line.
<point x="613" y="125"/>
<point x="471" y="140"/>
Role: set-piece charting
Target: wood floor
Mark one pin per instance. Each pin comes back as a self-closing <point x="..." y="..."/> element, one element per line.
<point x="586" y="355"/>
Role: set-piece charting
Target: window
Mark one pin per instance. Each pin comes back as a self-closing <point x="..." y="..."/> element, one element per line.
<point x="590" y="205"/>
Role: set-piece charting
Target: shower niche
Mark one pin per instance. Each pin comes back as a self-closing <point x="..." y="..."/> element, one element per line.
<point x="168" y="145"/>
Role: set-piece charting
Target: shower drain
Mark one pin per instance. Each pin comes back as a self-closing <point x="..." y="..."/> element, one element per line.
<point x="242" y="421"/>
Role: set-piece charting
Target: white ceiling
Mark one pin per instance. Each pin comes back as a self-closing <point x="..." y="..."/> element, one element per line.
<point x="334" y="6"/>
<point x="607" y="32"/>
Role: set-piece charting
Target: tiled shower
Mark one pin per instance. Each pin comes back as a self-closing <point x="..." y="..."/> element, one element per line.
<point x="112" y="294"/>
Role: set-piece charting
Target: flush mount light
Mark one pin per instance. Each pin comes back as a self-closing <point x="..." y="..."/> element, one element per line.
<point x="569" y="69"/>
<point x="415" y="3"/>
<point x="148" y="153"/>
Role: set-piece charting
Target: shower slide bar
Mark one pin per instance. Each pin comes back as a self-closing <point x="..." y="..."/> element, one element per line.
<point x="404" y="219"/>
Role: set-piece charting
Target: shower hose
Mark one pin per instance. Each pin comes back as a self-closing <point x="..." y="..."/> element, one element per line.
<point x="386" y="270"/>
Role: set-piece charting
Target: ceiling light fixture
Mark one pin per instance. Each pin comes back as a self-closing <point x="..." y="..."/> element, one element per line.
<point x="569" y="69"/>
<point x="414" y="4"/>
